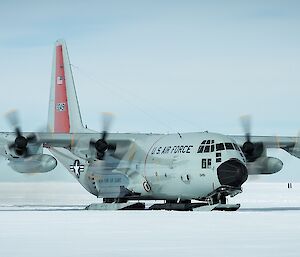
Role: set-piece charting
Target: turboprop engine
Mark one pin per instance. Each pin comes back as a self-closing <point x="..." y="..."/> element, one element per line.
<point x="264" y="165"/>
<point x="25" y="152"/>
<point x="38" y="163"/>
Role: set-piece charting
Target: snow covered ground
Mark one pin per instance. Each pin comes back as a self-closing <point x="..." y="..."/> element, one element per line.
<point x="46" y="219"/>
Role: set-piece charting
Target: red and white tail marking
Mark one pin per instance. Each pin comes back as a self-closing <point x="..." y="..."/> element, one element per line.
<point x="61" y="113"/>
<point x="64" y="112"/>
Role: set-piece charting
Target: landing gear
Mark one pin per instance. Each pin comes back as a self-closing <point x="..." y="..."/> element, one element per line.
<point x="108" y="200"/>
<point x="168" y="206"/>
<point x="222" y="198"/>
<point x="216" y="201"/>
<point x="116" y="206"/>
<point x="173" y="205"/>
<point x="219" y="197"/>
<point x="115" y="200"/>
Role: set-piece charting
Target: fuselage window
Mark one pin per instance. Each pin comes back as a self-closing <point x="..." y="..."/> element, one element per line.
<point x="229" y="146"/>
<point x="219" y="147"/>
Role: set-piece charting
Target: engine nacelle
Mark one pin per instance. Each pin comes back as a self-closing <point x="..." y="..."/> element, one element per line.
<point x="264" y="165"/>
<point x="39" y="163"/>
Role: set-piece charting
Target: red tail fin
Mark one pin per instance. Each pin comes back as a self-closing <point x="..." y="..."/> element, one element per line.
<point x="61" y="115"/>
<point x="64" y="112"/>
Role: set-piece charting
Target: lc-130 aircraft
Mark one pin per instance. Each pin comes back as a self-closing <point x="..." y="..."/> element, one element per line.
<point x="189" y="171"/>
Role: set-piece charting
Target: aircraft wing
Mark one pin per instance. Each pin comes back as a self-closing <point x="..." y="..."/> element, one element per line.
<point x="69" y="140"/>
<point x="79" y="141"/>
<point x="47" y="139"/>
<point x="289" y="144"/>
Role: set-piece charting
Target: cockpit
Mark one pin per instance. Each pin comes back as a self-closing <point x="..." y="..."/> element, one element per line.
<point x="209" y="146"/>
<point x="229" y="159"/>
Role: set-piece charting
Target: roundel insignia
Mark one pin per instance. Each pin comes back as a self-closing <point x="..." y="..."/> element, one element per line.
<point x="77" y="168"/>
<point x="146" y="186"/>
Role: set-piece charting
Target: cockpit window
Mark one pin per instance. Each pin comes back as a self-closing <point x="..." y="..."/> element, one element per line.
<point x="240" y="150"/>
<point x="206" y="149"/>
<point x="236" y="147"/>
<point x="206" y="146"/>
<point x="229" y="146"/>
<point x="220" y="147"/>
<point x="200" y="150"/>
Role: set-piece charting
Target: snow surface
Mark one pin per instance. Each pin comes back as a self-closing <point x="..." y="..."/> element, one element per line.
<point x="46" y="219"/>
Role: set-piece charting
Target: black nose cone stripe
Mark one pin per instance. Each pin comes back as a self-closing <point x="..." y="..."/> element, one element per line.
<point x="232" y="173"/>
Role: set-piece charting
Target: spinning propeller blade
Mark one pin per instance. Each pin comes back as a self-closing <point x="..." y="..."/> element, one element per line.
<point x="19" y="146"/>
<point x="251" y="150"/>
<point x="101" y="144"/>
<point x="246" y="125"/>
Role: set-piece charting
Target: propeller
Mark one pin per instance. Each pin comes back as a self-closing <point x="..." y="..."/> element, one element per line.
<point x="251" y="150"/>
<point x="20" y="144"/>
<point x="101" y="145"/>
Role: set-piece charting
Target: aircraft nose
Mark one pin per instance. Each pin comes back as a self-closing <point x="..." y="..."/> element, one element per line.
<point x="232" y="173"/>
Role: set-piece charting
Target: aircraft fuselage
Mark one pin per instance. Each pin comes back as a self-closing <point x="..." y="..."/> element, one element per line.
<point x="170" y="166"/>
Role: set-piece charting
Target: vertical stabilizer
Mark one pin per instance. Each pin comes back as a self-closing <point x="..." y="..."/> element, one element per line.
<point x="64" y="113"/>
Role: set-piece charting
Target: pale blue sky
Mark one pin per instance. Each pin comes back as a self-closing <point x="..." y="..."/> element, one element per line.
<point x="160" y="66"/>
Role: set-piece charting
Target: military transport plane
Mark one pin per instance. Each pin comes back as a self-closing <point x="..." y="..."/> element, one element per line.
<point x="187" y="171"/>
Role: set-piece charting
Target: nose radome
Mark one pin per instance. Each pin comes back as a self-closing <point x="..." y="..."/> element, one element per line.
<point x="232" y="173"/>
